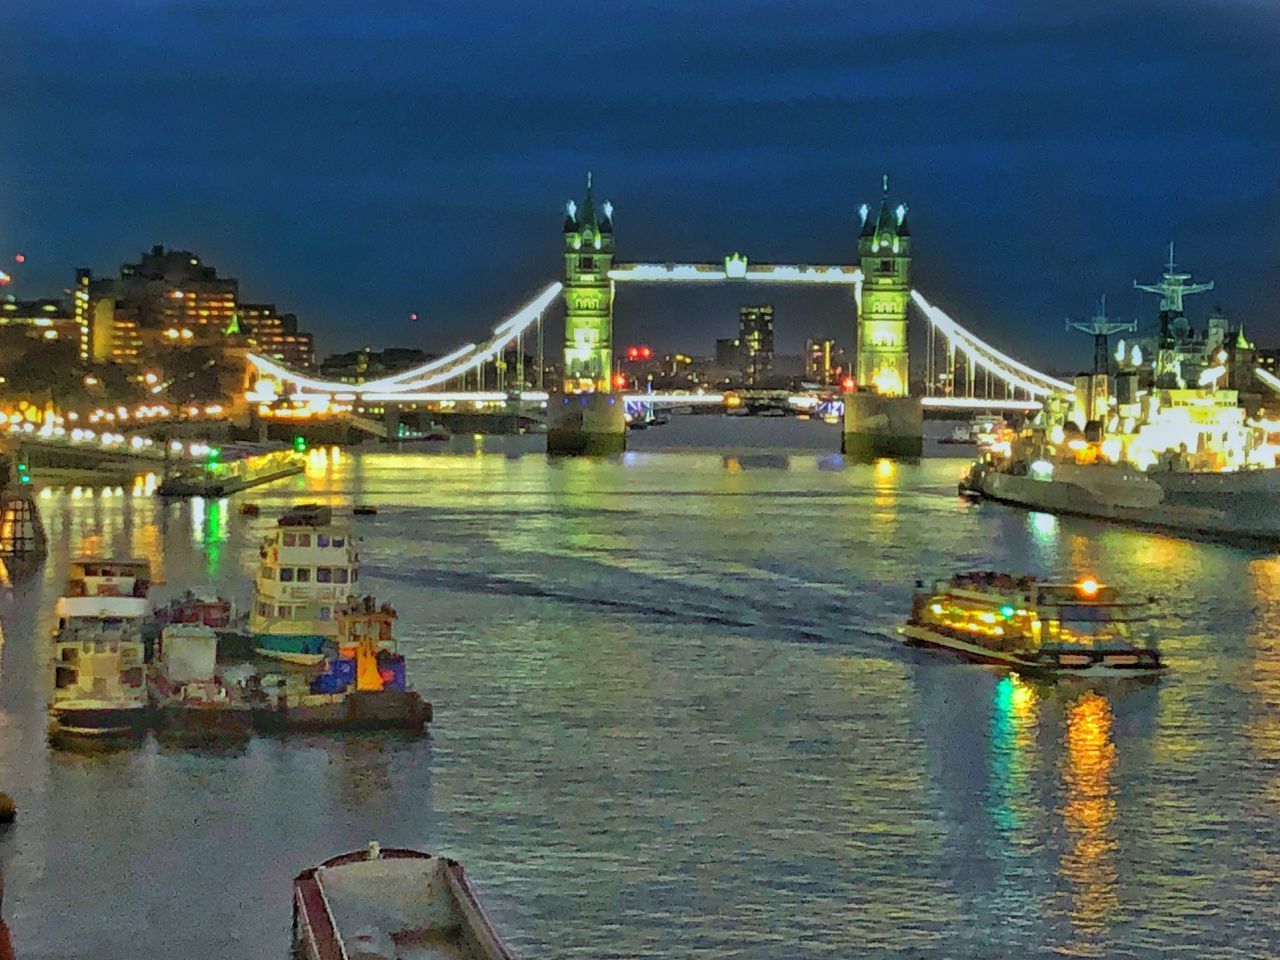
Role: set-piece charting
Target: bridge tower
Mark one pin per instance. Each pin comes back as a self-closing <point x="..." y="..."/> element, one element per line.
<point x="884" y="247"/>
<point x="586" y="417"/>
<point x="588" y="296"/>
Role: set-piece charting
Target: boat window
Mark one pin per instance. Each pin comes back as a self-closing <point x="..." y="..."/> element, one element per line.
<point x="264" y="609"/>
<point x="339" y="541"/>
<point x="340" y="575"/>
<point x="289" y="539"/>
<point x="286" y="574"/>
<point x="325" y="613"/>
<point x="322" y="539"/>
<point x="284" y="612"/>
<point x="324" y="575"/>
<point x="304" y="539"/>
<point x="304" y="575"/>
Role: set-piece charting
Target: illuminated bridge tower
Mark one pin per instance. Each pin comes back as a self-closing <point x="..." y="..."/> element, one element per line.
<point x="884" y="248"/>
<point x="587" y="417"/>
<point x="880" y="419"/>
<point x="588" y="297"/>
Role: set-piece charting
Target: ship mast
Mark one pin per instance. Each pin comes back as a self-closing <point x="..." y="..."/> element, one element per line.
<point x="1173" y="287"/>
<point x="1102" y="326"/>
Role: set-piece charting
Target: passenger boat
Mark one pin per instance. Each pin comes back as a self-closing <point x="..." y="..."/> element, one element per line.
<point x="98" y="684"/>
<point x="1036" y="627"/>
<point x="215" y="611"/>
<point x="99" y="687"/>
<point x="309" y="567"/>
<point x="390" y="903"/>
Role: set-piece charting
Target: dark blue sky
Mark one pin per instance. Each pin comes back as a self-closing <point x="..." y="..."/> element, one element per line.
<point x="355" y="161"/>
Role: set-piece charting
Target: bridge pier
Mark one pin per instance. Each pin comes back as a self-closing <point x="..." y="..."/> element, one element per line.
<point x="876" y="426"/>
<point x="586" y="424"/>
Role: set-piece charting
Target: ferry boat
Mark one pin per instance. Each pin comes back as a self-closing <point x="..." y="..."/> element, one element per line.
<point x="390" y="903"/>
<point x="99" y="688"/>
<point x="309" y="567"/>
<point x="99" y="684"/>
<point x="1036" y="627"/>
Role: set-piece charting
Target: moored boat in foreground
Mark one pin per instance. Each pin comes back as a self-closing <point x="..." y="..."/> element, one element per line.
<point x="390" y="904"/>
<point x="1036" y="627"/>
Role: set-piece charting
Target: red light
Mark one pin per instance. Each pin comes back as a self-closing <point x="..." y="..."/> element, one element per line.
<point x="848" y="383"/>
<point x="413" y="316"/>
<point x="20" y="258"/>
<point x="633" y="353"/>
<point x="620" y="380"/>
<point x="4" y="278"/>
<point x="645" y="353"/>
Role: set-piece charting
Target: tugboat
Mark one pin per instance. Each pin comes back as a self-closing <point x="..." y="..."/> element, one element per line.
<point x="362" y="688"/>
<point x="99" y="685"/>
<point x="1035" y="627"/>
<point x="309" y="567"/>
<point x="390" y="903"/>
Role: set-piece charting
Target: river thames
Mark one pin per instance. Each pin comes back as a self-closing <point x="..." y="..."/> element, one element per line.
<point x="673" y="719"/>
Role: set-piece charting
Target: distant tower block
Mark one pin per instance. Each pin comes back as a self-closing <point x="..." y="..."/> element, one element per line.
<point x="884" y="247"/>
<point x="588" y="296"/>
<point x="22" y="538"/>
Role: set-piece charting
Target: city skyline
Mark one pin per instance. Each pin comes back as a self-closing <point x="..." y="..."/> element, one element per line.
<point x="1022" y="214"/>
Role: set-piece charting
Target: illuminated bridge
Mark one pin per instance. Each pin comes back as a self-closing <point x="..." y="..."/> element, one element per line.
<point x="959" y="368"/>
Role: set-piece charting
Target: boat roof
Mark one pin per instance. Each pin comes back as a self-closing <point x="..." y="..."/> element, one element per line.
<point x="102" y="607"/>
<point x="404" y="899"/>
<point x="138" y="563"/>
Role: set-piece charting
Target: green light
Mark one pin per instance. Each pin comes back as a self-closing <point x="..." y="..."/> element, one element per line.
<point x="1006" y="612"/>
<point x="300" y="444"/>
<point x="214" y="454"/>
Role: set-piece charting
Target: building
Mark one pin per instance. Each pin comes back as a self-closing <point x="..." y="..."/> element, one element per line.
<point x="823" y="362"/>
<point x="884" y="248"/>
<point x="755" y="343"/>
<point x="276" y="335"/>
<point x="170" y="297"/>
<point x="113" y="334"/>
<point x="39" y="319"/>
<point x="357" y="366"/>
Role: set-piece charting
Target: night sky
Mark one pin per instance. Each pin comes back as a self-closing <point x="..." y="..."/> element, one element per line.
<point x="357" y="161"/>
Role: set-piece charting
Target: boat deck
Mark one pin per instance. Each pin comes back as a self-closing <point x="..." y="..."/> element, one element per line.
<point x="406" y="908"/>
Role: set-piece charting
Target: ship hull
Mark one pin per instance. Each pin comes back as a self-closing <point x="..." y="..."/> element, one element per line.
<point x="305" y="649"/>
<point x="101" y="721"/>
<point x="1100" y="664"/>
<point x="1224" y="517"/>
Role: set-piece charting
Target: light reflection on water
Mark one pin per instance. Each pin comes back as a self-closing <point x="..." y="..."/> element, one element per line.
<point x="673" y="718"/>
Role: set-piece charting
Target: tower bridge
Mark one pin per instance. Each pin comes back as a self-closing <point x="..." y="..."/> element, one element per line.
<point x="583" y="410"/>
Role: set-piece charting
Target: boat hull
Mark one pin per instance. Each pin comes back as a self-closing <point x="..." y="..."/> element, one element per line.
<point x="369" y="710"/>
<point x="306" y="649"/>
<point x="1090" y="664"/>
<point x="101" y="721"/>
<point x="1219" y="518"/>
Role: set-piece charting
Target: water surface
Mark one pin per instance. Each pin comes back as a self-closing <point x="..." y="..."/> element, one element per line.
<point x="674" y="720"/>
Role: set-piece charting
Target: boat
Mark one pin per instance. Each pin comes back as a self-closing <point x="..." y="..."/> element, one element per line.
<point x="362" y="687"/>
<point x="1036" y="627"/>
<point x="99" y="688"/>
<point x="1121" y="492"/>
<point x="392" y="903"/>
<point x="189" y="697"/>
<point x="309" y="566"/>
<point x="212" y="611"/>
